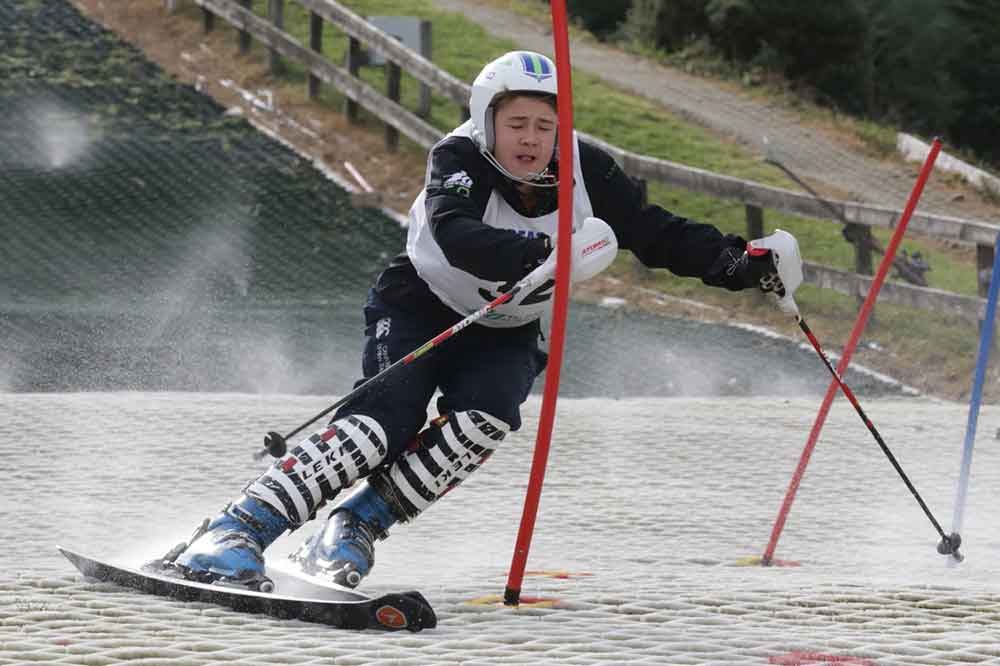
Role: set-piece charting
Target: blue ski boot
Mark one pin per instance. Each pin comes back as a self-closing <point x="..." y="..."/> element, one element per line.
<point x="343" y="551"/>
<point x="230" y="548"/>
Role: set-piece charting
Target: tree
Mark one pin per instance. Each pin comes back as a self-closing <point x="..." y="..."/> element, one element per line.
<point x="814" y="43"/>
<point x="667" y="24"/>
<point x="909" y="52"/>
<point x="601" y="17"/>
<point x="977" y="71"/>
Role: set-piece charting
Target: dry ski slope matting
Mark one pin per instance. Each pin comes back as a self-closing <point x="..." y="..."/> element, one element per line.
<point x="648" y="507"/>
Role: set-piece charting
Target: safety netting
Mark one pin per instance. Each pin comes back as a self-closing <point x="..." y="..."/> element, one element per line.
<point x="150" y="241"/>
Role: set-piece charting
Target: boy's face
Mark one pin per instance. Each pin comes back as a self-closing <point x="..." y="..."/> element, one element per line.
<point x="525" y="129"/>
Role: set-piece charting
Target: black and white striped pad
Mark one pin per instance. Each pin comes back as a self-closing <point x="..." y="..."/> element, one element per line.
<point x="320" y="466"/>
<point x="448" y="454"/>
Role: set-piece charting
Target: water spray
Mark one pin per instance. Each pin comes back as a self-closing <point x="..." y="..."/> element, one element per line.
<point x="64" y="136"/>
<point x="276" y="444"/>
<point x="591" y="249"/>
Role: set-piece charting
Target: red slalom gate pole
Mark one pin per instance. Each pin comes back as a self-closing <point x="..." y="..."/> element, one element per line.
<point x="852" y="343"/>
<point x="560" y="34"/>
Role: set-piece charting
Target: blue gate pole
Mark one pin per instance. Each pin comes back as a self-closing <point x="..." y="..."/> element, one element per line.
<point x="982" y="361"/>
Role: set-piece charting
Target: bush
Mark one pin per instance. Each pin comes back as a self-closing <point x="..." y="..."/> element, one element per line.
<point x="928" y="66"/>
<point x="667" y="24"/>
<point x="811" y="36"/>
<point x="976" y="69"/>
<point x="915" y="45"/>
<point x="601" y="17"/>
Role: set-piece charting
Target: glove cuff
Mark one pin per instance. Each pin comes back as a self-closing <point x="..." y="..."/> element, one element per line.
<point x="537" y="250"/>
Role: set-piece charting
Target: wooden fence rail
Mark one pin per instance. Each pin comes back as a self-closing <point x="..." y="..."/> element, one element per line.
<point x="754" y="196"/>
<point x="383" y="108"/>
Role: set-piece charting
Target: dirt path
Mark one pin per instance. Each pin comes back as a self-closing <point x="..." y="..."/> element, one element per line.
<point x="808" y="151"/>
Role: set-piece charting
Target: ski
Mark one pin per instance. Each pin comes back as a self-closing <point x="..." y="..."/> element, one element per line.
<point x="307" y="600"/>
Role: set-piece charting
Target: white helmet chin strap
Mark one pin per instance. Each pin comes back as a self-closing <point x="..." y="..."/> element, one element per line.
<point x="540" y="179"/>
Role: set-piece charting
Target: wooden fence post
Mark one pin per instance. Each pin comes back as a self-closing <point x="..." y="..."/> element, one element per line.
<point x="244" y="37"/>
<point x="755" y="229"/>
<point x="353" y="65"/>
<point x="316" y="44"/>
<point x="639" y="269"/>
<point x="861" y="237"/>
<point x="984" y="272"/>
<point x="984" y="268"/>
<point x="755" y="222"/>
<point x="424" y="105"/>
<point x="393" y="75"/>
<point x="276" y="13"/>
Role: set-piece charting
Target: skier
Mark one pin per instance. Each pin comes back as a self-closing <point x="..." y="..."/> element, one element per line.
<point x="486" y="218"/>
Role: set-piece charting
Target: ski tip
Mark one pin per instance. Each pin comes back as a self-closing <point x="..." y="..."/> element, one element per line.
<point x="67" y="553"/>
<point x="407" y="610"/>
<point x="82" y="563"/>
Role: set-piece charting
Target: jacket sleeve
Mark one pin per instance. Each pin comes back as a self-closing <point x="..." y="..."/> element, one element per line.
<point x="656" y="236"/>
<point x="458" y="188"/>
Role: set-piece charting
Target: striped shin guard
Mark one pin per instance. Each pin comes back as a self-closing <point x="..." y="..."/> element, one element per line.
<point x="451" y="449"/>
<point x="321" y="465"/>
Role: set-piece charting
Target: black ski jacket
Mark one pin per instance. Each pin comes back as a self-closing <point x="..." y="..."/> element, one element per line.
<point x="656" y="236"/>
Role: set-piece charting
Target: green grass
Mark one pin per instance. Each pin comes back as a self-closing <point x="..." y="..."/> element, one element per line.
<point x="879" y="139"/>
<point x="634" y="123"/>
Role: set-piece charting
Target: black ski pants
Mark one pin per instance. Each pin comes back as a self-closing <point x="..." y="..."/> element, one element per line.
<point x="481" y="368"/>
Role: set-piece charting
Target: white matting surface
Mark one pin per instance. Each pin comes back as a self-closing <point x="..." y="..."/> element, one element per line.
<point x="655" y="499"/>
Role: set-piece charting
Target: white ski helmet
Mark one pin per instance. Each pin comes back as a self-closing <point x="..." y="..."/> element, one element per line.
<point x="517" y="71"/>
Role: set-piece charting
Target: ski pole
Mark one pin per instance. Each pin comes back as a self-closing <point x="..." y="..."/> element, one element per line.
<point x="787" y="304"/>
<point x="949" y="543"/>
<point x="276" y="444"/>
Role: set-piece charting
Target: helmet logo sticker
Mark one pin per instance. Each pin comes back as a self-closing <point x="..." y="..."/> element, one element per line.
<point x="536" y="67"/>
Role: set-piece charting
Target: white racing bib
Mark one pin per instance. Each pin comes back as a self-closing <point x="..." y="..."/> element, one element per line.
<point x="465" y="293"/>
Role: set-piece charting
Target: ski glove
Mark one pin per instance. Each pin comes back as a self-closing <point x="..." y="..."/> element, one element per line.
<point x="594" y="246"/>
<point x="537" y="250"/>
<point x="738" y="268"/>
